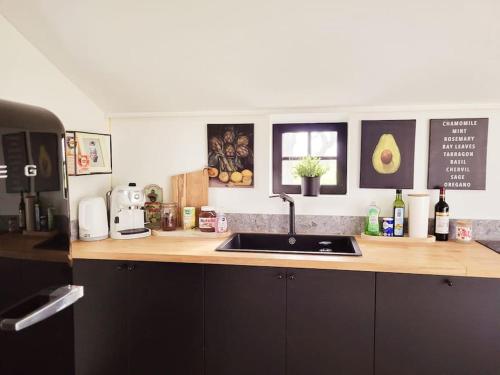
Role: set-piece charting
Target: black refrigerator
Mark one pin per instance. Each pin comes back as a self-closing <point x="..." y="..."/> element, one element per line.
<point x="36" y="290"/>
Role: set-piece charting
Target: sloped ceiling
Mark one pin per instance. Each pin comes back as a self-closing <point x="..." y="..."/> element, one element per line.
<point x="187" y="55"/>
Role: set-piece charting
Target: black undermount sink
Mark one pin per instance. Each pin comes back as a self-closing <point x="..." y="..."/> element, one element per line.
<point x="291" y="244"/>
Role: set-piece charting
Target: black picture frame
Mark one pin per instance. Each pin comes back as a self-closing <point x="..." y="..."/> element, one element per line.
<point x="467" y="140"/>
<point x="72" y="158"/>
<point x="400" y="132"/>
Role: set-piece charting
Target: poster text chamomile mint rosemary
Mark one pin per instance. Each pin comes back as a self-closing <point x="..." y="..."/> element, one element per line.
<point x="457" y="153"/>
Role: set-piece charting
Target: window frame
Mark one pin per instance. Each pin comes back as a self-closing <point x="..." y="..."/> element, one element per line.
<point x="339" y="127"/>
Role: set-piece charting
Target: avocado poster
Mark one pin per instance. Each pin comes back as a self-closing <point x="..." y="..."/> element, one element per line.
<point x="457" y="153"/>
<point x="387" y="154"/>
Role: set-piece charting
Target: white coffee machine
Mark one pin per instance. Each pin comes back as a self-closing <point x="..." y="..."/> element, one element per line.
<point x="126" y="213"/>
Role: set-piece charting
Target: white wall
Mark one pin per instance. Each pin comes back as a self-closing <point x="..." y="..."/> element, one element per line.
<point x="150" y="149"/>
<point x="27" y="76"/>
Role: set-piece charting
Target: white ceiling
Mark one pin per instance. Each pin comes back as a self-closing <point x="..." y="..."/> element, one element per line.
<point x="187" y="55"/>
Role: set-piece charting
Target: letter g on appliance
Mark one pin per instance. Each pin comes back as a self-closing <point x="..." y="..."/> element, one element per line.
<point x="30" y="170"/>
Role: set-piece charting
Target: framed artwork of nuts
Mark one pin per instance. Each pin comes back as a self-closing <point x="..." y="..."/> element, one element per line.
<point x="230" y="150"/>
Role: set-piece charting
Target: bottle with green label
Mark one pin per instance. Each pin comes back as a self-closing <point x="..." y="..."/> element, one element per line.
<point x="372" y="226"/>
<point x="399" y="214"/>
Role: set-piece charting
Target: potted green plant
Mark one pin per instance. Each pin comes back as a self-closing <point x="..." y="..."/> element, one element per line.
<point x="310" y="170"/>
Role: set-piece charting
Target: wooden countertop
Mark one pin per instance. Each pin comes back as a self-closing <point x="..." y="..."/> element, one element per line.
<point x="440" y="258"/>
<point x="18" y="246"/>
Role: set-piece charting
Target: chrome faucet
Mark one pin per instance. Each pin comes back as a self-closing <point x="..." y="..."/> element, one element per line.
<point x="291" y="216"/>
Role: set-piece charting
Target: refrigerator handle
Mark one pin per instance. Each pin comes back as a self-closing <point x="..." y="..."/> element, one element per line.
<point x="54" y="300"/>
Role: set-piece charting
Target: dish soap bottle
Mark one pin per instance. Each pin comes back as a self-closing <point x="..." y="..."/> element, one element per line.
<point x="372" y="226"/>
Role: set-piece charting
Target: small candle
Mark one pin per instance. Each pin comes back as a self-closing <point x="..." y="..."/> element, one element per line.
<point x="464" y="230"/>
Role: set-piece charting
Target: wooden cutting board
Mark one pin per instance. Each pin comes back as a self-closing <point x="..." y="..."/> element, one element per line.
<point x="190" y="190"/>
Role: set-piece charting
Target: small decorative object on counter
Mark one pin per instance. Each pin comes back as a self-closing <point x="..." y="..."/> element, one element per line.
<point x="464" y="230"/>
<point x="388" y="227"/>
<point x="372" y="226"/>
<point x="188" y="218"/>
<point x="310" y="170"/>
<point x="152" y="206"/>
<point x="208" y="219"/>
<point x="168" y="216"/>
<point x="221" y="223"/>
<point x="399" y="214"/>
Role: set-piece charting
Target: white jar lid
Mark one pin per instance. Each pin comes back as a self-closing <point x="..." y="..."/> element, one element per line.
<point x="207" y="208"/>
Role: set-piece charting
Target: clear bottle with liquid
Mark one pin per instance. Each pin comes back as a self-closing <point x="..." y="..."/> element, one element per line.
<point x="372" y="225"/>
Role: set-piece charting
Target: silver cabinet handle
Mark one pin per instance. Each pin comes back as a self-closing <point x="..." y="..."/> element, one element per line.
<point x="57" y="300"/>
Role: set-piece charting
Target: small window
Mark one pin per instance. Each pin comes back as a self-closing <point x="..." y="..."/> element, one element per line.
<point x="292" y="142"/>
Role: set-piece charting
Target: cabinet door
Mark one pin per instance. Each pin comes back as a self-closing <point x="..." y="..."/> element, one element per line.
<point x="166" y="319"/>
<point x="244" y="320"/>
<point x="437" y="325"/>
<point x="31" y="350"/>
<point x="330" y="322"/>
<point x="101" y="318"/>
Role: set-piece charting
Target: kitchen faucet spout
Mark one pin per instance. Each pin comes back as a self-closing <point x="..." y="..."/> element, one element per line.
<point x="291" y="216"/>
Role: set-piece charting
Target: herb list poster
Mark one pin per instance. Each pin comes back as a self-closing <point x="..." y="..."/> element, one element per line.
<point x="457" y="154"/>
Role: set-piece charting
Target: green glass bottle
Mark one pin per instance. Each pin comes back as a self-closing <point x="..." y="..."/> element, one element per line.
<point x="399" y="214"/>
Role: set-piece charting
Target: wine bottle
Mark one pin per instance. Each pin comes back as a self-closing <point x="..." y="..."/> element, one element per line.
<point x="399" y="214"/>
<point x="441" y="217"/>
<point x="22" y="213"/>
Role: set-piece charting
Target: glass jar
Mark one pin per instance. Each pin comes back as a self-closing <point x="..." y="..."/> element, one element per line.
<point x="208" y="219"/>
<point x="168" y="216"/>
<point x="221" y="223"/>
<point x="464" y="231"/>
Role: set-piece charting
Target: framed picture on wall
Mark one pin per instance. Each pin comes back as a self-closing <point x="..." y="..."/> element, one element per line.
<point x="457" y="153"/>
<point x="387" y="154"/>
<point x="88" y="153"/>
<point x="230" y="155"/>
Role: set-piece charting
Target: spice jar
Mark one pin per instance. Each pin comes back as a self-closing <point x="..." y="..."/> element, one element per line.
<point x="168" y="216"/>
<point x="208" y="219"/>
<point x="464" y="230"/>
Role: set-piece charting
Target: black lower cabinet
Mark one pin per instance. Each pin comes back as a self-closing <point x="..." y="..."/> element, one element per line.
<point x="330" y="322"/>
<point x="245" y="311"/>
<point x="139" y="318"/>
<point x="437" y="325"/>
<point x="101" y="318"/>
<point x="297" y="322"/>
<point x="183" y="319"/>
<point x="166" y="319"/>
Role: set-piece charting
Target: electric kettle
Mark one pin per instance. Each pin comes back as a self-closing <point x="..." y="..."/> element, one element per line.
<point x="92" y="219"/>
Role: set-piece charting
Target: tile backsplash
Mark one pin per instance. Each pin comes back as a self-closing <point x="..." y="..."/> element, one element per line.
<point x="314" y="224"/>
